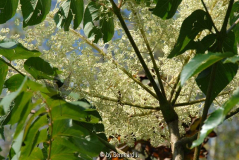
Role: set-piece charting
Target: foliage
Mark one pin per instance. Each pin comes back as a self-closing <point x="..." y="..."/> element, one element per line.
<point x="105" y="71"/>
<point x="46" y="126"/>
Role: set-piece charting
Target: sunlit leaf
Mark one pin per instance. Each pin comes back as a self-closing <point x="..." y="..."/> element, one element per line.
<point x="13" y="50"/>
<point x="14" y="82"/>
<point x="216" y="118"/>
<point x="34" y="11"/>
<point x="199" y="63"/>
<point x="39" y="68"/>
<point x="7" y="10"/>
<point x="3" y="73"/>
<point x="192" y="25"/>
<point x="7" y="100"/>
<point x="68" y="11"/>
<point x="166" y="9"/>
<point x="234" y="59"/>
<point x="233" y="18"/>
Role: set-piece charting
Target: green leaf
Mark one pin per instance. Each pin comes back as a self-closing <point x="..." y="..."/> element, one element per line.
<point x="33" y="134"/>
<point x="65" y="128"/>
<point x="204" y="44"/>
<point x="7" y="10"/>
<point x="229" y="43"/>
<point x="216" y="118"/>
<point x="63" y="149"/>
<point x="65" y="14"/>
<point x="38" y="68"/>
<point x="90" y="16"/>
<point x="93" y="16"/>
<point x="223" y="76"/>
<point x="234" y="59"/>
<point x="36" y="155"/>
<point x="89" y="146"/>
<point x="199" y="63"/>
<point x="65" y="110"/>
<point x="33" y="117"/>
<point x="7" y="100"/>
<point x="16" y="145"/>
<point x="14" y="82"/>
<point x="3" y="73"/>
<point x="13" y="50"/>
<point x="34" y="11"/>
<point x="77" y="7"/>
<point x="24" y="115"/>
<point x="191" y="26"/>
<point x="107" y="27"/>
<point x="166" y="9"/>
<point x="233" y="18"/>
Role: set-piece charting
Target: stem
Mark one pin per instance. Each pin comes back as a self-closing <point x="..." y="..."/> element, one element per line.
<point x="177" y="82"/>
<point x="120" y="4"/>
<point x="150" y="52"/>
<point x="232" y="113"/>
<point x="176" y="95"/>
<point x="206" y="107"/>
<point x="10" y="65"/>
<point x="51" y="131"/>
<point x="205" y="7"/>
<point x="116" y="10"/>
<point x="121" y="102"/>
<point x="142" y="114"/>
<point x="224" y="26"/>
<point x="198" y="101"/>
<point x="234" y="25"/>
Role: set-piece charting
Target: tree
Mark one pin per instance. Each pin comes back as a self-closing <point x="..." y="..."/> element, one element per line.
<point x="201" y="60"/>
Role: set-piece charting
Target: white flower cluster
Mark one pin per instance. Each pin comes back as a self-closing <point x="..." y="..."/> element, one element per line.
<point x="100" y="72"/>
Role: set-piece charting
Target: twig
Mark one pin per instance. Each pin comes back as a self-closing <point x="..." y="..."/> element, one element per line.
<point x="232" y="113"/>
<point x="177" y="94"/>
<point x="224" y="26"/>
<point x="120" y="4"/>
<point x="141" y="114"/>
<point x="51" y="131"/>
<point x="10" y="65"/>
<point x="176" y="83"/>
<point x="150" y="52"/>
<point x="234" y="25"/>
<point x="205" y="7"/>
<point x="116" y="10"/>
<point x="121" y="102"/>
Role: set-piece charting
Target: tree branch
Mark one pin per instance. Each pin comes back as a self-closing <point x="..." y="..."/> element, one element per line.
<point x="120" y="4"/>
<point x="150" y="51"/>
<point x="234" y="25"/>
<point x="10" y="65"/>
<point x="205" y="7"/>
<point x="116" y="10"/>
<point x="232" y="113"/>
<point x="121" y="102"/>
<point x="225" y="22"/>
